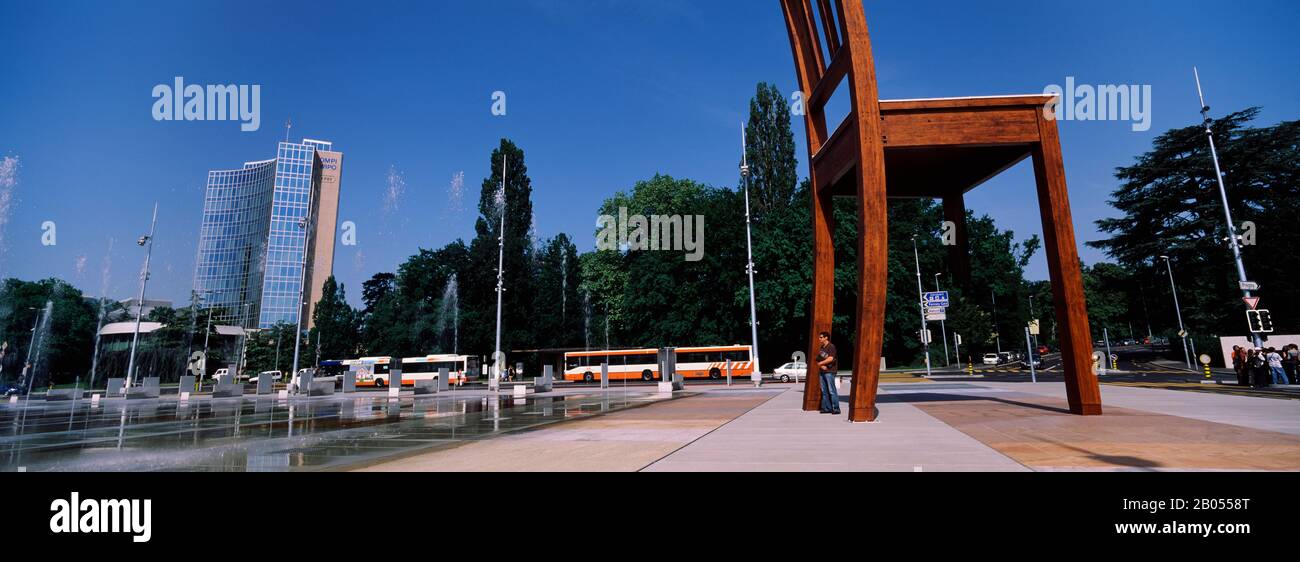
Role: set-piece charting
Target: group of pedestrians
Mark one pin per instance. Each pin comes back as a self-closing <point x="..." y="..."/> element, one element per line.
<point x="1267" y="366"/>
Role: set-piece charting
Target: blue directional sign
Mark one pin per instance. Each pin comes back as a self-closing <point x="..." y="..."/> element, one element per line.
<point x="936" y="298"/>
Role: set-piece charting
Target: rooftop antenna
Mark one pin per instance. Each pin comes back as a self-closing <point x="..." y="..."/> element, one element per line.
<point x="749" y="253"/>
<point x="1234" y="239"/>
<point x="288" y="124"/>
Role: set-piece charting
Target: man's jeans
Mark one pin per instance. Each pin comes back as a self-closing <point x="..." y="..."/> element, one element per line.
<point x="1279" y="376"/>
<point x="830" y="398"/>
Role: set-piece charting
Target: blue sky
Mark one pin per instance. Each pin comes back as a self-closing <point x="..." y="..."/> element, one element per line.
<point x="600" y="94"/>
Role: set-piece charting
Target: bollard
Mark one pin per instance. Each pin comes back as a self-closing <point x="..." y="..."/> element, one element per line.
<point x="544" y="383"/>
<point x="728" y="372"/>
<point x="186" y="384"/>
<point x="443" y="375"/>
<point x="604" y="376"/>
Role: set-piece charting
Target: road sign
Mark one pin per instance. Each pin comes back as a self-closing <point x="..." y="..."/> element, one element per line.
<point x="925" y="336"/>
<point x="935" y="316"/>
<point x="1252" y="302"/>
<point x="1248" y="285"/>
<point x="1205" y="359"/>
<point x="936" y="298"/>
<point x="958" y="338"/>
<point x="1182" y="333"/>
<point x="935" y="309"/>
<point x="1033" y="327"/>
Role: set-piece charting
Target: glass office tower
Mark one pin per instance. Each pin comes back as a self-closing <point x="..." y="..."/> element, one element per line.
<point x="257" y="223"/>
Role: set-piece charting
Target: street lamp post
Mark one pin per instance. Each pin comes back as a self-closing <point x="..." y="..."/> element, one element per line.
<point x="920" y="299"/>
<point x="943" y="327"/>
<point x="749" y="252"/>
<point x="27" y="363"/>
<point x="243" y="338"/>
<point x="305" y="225"/>
<point x="1233" y="238"/>
<point x="144" y="280"/>
<point x="501" y="279"/>
<point x="1182" y="332"/>
<point x="997" y="334"/>
<point x="207" y="332"/>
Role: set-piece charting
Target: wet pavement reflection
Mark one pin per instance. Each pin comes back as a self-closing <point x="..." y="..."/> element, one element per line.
<point x="270" y="434"/>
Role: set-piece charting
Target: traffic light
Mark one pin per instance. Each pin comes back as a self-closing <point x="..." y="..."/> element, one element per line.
<point x="1265" y="321"/>
<point x="1260" y="321"/>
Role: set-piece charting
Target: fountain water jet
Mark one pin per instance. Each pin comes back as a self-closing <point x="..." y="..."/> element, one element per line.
<point x="451" y="307"/>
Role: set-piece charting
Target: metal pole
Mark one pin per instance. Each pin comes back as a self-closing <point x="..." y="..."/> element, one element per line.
<point x="94" y="358"/>
<point x="1105" y="336"/>
<point x="144" y="280"/>
<point x="243" y="339"/>
<point x="920" y="296"/>
<point x="501" y="256"/>
<point x="1223" y="194"/>
<point x="749" y="253"/>
<point x="302" y="282"/>
<point x="1033" y="374"/>
<point x="31" y="344"/>
<point x="997" y="334"/>
<point x="1032" y="317"/>
<point x="1181" y="330"/>
<point x="207" y="332"/>
<point x="956" y="349"/>
<point x="943" y="326"/>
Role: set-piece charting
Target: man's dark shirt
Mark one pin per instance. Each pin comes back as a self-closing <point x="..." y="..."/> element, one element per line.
<point x="828" y="351"/>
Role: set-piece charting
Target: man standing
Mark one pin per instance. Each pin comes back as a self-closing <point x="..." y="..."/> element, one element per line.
<point x="827" y="361"/>
<point x="1275" y="367"/>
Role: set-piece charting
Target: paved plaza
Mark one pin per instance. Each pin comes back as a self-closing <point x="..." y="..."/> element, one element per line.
<point x="947" y="424"/>
<point x="923" y="426"/>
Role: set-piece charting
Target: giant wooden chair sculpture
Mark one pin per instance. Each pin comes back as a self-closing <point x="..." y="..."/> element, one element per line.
<point x="938" y="148"/>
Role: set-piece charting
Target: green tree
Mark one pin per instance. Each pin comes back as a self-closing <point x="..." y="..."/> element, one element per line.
<point x="478" y="284"/>
<point x="66" y="342"/>
<point x="271" y="349"/>
<point x="335" y="325"/>
<point x="1170" y="205"/>
<point x="658" y="298"/>
<point x="557" y="306"/>
<point x="770" y="152"/>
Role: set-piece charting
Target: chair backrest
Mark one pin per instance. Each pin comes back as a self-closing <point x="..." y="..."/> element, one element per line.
<point x="830" y="46"/>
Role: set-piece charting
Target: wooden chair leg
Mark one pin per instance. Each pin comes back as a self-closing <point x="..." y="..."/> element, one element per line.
<point x="1075" y="336"/>
<point x="873" y="277"/>
<point x="823" y="290"/>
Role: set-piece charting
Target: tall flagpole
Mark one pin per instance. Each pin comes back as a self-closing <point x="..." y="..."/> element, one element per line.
<point x="749" y="252"/>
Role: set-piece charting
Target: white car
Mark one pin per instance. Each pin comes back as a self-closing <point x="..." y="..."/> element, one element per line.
<point x="790" y="371"/>
<point x="276" y="376"/>
<point x="991" y="359"/>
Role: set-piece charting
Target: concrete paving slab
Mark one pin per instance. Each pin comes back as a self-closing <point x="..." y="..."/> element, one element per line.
<point x="779" y="436"/>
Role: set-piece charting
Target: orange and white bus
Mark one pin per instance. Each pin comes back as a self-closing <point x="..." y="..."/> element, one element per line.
<point x="375" y="371"/>
<point x="643" y="364"/>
